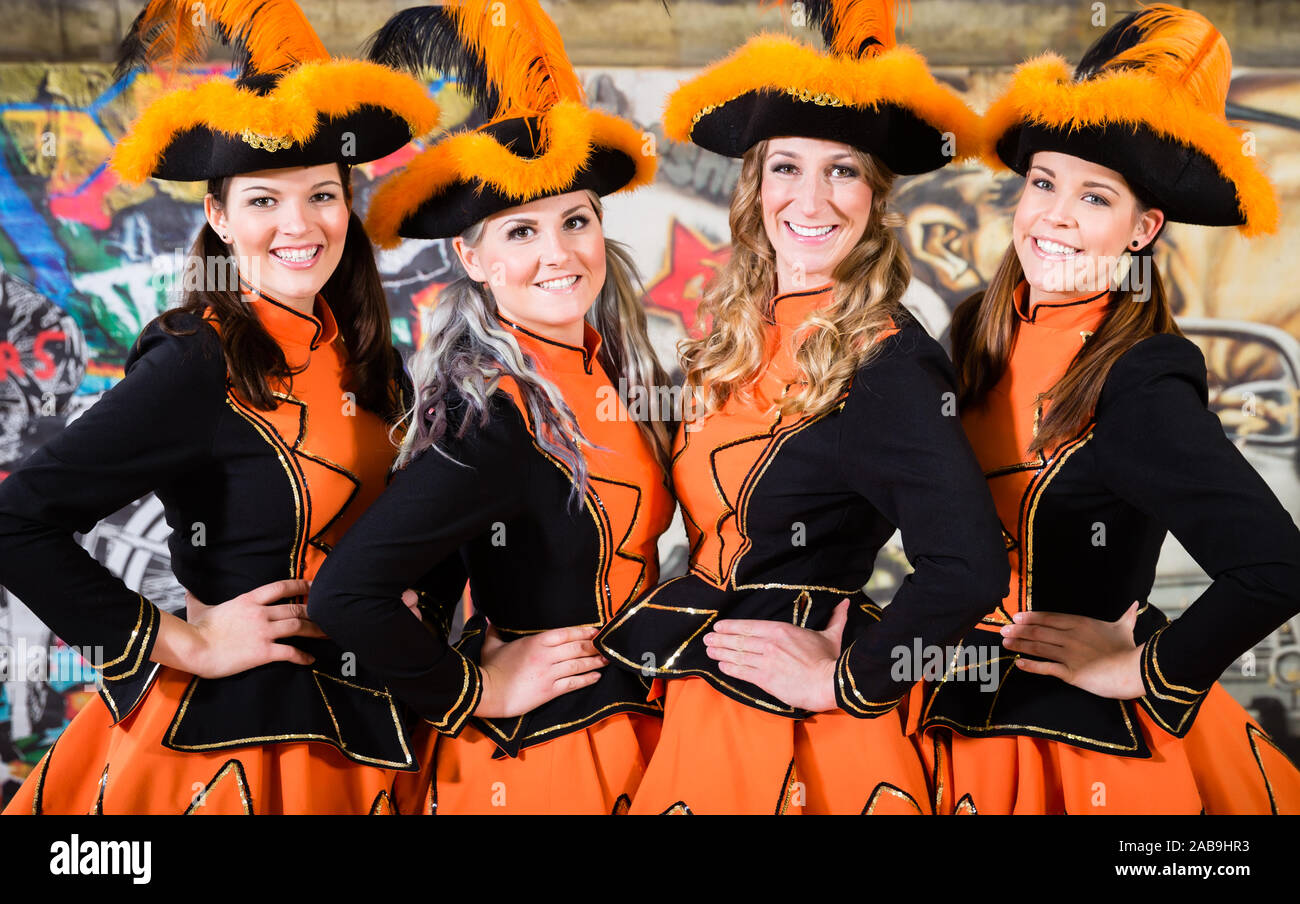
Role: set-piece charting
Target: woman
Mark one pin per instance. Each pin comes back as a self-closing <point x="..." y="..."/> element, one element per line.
<point x="1087" y="410"/>
<point x="522" y="469"/>
<point x="820" y="428"/>
<point x="258" y="412"/>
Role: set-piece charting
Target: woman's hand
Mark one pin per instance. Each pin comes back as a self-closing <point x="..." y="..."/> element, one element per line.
<point x="521" y="675"/>
<point x="794" y="665"/>
<point x="1097" y="656"/>
<point x="412" y="601"/>
<point x="241" y="633"/>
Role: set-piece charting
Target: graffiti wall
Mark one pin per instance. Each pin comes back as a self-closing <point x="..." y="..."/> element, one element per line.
<point x="86" y="262"/>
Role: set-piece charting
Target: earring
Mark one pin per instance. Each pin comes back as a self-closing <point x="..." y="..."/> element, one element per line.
<point x="1134" y="243"/>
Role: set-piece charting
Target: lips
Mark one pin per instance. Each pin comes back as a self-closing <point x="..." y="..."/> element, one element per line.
<point x="558" y="284"/>
<point x="1050" y="249"/>
<point x="297" y="258"/>
<point x="806" y="234"/>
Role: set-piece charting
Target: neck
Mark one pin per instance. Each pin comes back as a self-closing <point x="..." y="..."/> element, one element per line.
<point x="567" y="333"/>
<point x="305" y="305"/>
<point x="789" y="279"/>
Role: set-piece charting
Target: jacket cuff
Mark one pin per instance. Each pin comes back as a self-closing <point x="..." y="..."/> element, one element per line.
<point x="457" y="715"/>
<point x="850" y="699"/>
<point x="1172" y="706"/>
<point x="134" y="653"/>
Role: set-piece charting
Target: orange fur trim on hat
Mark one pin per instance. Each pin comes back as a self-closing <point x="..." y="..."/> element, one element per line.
<point x="771" y="62"/>
<point x="290" y="110"/>
<point x="1043" y="91"/>
<point x="571" y="132"/>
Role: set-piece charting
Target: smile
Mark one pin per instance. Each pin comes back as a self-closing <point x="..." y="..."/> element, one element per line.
<point x="559" y="284"/>
<point x="297" y="256"/>
<point x="810" y="232"/>
<point x="1054" y="249"/>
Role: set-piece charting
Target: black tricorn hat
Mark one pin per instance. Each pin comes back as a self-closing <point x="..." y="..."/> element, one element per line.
<point x="291" y="104"/>
<point x="540" y="139"/>
<point x="1147" y="100"/>
<point x="866" y="91"/>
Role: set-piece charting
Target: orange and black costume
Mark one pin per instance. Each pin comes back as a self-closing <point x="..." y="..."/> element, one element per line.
<point x="1084" y="522"/>
<point x="786" y="515"/>
<point x="267" y="494"/>
<point x="252" y="496"/>
<point x="501" y="513"/>
<point x="491" y="505"/>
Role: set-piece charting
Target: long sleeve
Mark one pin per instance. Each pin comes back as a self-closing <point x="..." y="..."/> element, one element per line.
<point x="1161" y="450"/>
<point x="430" y="509"/>
<point x="154" y="426"/>
<point x="903" y="449"/>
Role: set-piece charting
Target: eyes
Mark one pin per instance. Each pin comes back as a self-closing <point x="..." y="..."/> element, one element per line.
<point x="266" y="202"/>
<point x="1046" y="185"/>
<point x="836" y="171"/>
<point x="573" y="224"/>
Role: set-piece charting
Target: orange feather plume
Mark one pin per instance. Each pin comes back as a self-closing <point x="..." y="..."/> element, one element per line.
<point x="522" y="51"/>
<point x="1184" y="48"/>
<point x="171" y="34"/>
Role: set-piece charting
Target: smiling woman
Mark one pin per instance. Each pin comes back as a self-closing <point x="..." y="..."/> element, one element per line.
<point x="513" y="475"/>
<point x="258" y="412"/>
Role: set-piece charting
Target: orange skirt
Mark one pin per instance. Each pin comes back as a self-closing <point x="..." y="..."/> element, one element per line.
<point x="1226" y="764"/>
<point x="718" y="756"/>
<point x="594" y="771"/>
<point x="98" y="767"/>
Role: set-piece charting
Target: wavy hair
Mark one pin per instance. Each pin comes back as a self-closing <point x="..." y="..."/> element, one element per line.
<point x="837" y="340"/>
<point x="466" y="352"/>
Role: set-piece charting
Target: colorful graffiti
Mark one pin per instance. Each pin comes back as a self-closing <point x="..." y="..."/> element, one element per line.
<point x="86" y="262"/>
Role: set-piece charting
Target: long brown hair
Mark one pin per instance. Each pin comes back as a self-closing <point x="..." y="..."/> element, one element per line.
<point x="869" y="282"/>
<point x="255" y="362"/>
<point x="984" y="330"/>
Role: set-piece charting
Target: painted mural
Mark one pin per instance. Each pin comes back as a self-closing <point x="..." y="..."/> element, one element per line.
<point x="86" y="262"/>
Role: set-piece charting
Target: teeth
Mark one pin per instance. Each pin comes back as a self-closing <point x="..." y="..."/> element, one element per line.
<point x="562" y="283"/>
<point x="1054" y="247"/>
<point x="294" y="255"/>
<point x="808" y="231"/>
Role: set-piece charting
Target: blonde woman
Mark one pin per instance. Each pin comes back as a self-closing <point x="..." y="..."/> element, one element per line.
<point x="514" y="473"/>
<point x="825" y="420"/>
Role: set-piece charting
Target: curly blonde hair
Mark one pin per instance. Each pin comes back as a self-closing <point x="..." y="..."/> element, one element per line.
<point x="837" y="340"/>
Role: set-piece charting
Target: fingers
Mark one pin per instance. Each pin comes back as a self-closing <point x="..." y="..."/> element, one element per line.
<point x="1130" y="617"/>
<point x="737" y="670"/>
<point x="560" y="636"/>
<point x="295" y="627"/>
<point x="752" y="627"/>
<point x="410" y="598"/>
<point x="576" y="649"/>
<point x="564" y="685"/>
<point x="719" y="653"/>
<point x="579" y="666"/>
<point x="736" y="643"/>
<point x="1059" y="620"/>
<point x="286" y="610"/>
<point x="1033" y="648"/>
<point x="283" y="652"/>
<point x="278" y="590"/>
<point x="1054" y="669"/>
<point x="1039" y="633"/>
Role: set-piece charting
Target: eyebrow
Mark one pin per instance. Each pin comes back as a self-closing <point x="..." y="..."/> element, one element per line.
<point x="276" y="191"/>
<point x="791" y="154"/>
<point x="529" y="221"/>
<point x="1090" y="184"/>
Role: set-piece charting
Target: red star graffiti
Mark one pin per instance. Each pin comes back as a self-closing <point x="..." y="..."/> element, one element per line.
<point x="690" y="262"/>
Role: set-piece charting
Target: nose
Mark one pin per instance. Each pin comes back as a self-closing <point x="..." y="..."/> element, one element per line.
<point x="1060" y="212"/>
<point x="554" y="248"/>
<point x="293" y="218"/>
<point x="812" y="193"/>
